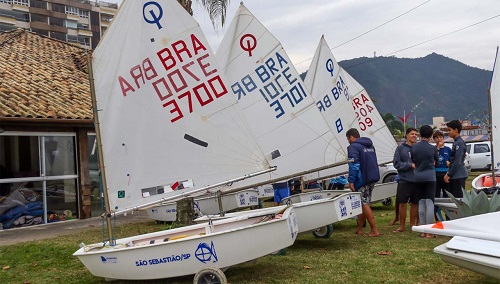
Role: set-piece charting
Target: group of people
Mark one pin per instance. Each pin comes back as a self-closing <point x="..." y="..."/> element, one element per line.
<point x="427" y="171"/>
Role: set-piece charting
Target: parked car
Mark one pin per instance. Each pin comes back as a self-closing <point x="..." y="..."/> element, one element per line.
<point x="480" y="155"/>
<point x="387" y="173"/>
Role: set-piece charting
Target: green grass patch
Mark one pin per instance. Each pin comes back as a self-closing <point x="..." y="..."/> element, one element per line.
<point x="343" y="258"/>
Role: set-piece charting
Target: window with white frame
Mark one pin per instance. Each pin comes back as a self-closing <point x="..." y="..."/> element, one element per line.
<point x="71" y="10"/>
<point x="84" y="13"/>
<point x="21" y="2"/>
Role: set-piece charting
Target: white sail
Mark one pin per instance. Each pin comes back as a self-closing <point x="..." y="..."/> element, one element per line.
<point x="277" y="106"/>
<point x="169" y="123"/>
<point x="495" y="117"/>
<point x="345" y="104"/>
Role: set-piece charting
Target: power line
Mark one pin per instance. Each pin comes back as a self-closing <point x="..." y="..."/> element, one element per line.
<point x="381" y="25"/>
<point x="373" y="29"/>
<point x="441" y="36"/>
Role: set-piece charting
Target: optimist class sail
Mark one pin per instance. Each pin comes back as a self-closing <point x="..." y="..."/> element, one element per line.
<point x="345" y="104"/>
<point x="168" y="122"/>
<point x="277" y="106"/>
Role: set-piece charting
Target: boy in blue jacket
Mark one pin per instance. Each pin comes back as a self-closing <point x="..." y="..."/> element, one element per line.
<point x="363" y="174"/>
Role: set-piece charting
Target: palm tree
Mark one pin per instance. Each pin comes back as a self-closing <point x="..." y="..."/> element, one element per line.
<point x="216" y="9"/>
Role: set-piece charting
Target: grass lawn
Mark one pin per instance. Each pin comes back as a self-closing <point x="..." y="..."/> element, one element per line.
<point x="343" y="258"/>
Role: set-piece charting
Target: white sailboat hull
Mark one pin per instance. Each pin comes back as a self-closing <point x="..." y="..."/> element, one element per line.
<point x="382" y="191"/>
<point x="187" y="250"/>
<point x="313" y="195"/>
<point x="318" y="213"/>
<point x="207" y="205"/>
<point x="471" y="254"/>
<point x="477" y="182"/>
<point x="312" y="214"/>
<point x="448" y="207"/>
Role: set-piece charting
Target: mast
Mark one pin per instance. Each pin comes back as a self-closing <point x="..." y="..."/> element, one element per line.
<point x="490" y="121"/>
<point x="100" y="154"/>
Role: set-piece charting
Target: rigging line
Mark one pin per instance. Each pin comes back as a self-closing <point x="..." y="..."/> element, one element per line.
<point x="373" y="28"/>
<point x="381" y="25"/>
<point x="415" y="45"/>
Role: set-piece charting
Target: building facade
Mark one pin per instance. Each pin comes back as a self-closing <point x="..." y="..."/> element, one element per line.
<point x="48" y="159"/>
<point x="80" y="22"/>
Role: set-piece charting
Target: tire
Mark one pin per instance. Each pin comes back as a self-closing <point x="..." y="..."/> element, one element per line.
<point x="389" y="178"/>
<point x="210" y="275"/>
<point x="387" y="201"/>
<point x="323" y="232"/>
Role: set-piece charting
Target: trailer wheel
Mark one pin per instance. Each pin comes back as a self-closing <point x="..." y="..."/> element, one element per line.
<point x="210" y="275"/>
<point x="323" y="232"/>
<point x="387" y="201"/>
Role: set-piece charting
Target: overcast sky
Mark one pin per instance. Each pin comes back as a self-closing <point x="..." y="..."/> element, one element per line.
<point x="300" y="24"/>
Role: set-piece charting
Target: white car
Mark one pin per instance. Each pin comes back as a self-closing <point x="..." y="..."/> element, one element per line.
<point x="480" y="155"/>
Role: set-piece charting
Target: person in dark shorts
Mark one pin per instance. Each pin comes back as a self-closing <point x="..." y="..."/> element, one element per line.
<point x="403" y="162"/>
<point x="457" y="173"/>
<point x="425" y="156"/>
<point x="282" y="190"/>
<point x="363" y="174"/>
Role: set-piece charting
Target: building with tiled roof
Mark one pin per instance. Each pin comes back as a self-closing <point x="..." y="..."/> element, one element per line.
<point x="47" y="135"/>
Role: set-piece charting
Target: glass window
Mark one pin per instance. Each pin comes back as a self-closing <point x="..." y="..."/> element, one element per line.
<point x="38" y="4"/>
<point x="58" y="8"/>
<point x="95" y="188"/>
<point x="481" y="148"/>
<point x="56" y="22"/>
<point x="83" y="13"/>
<point x="19" y="156"/>
<point x="59" y="155"/>
<point x="71" y="10"/>
<point x="24" y="206"/>
<point x="71" y="24"/>
<point x="39" y="18"/>
<point x="61" y="200"/>
<point x="468" y="148"/>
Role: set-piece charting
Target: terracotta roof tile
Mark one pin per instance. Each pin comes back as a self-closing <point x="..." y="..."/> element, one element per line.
<point x="41" y="77"/>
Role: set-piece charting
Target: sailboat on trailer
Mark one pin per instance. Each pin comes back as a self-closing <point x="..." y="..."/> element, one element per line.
<point x="168" y="128"/>
<point x="281" y="113"/>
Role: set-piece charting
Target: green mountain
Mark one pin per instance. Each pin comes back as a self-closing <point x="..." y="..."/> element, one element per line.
<point x="447" y="87"/>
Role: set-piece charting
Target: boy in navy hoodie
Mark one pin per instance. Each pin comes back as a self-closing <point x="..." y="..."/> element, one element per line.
<point x="363" y="174"/>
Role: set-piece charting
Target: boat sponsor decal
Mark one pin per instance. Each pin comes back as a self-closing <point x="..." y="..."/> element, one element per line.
<point x="316" y="197"/>
<point x="355" y="202"/>
<point x="275" y="82"/>
<point x="242" y="199"/>
<point x="343" y="208"/>
<point x="167" y="259"/>
<point x="330" y="66"/>
<point x="292" y="225"/>
<point x="206" y="253"/>
<point x="171" y="210"/>
<point x="109" y="259"/>
<point x="149" y="15"/>
<point x="253" y="199"/>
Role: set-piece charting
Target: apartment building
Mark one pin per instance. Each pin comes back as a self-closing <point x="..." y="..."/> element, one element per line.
<point x="80" y="22"/>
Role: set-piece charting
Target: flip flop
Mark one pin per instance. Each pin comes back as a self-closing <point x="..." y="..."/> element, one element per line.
<point x="398" y="230"/>
<point x="368" y="235"/>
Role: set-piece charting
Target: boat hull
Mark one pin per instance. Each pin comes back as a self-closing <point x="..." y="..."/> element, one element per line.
<point x="383" y="191"/>
<point x="311" y="214"/>
<point x="313" y="195"/>
<point x="207" y="205"/>
<point x="448" y="207"/>
<point x="189" y="249"/>
<point x="477" y="262"/>
<point x="318" y="213"/>
<point x="477" y="182"/>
